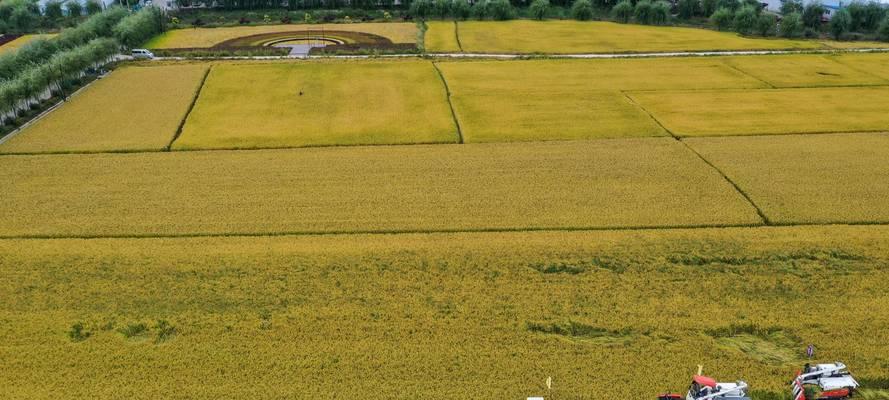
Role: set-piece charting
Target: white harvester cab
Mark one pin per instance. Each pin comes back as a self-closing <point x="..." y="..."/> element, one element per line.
<point x="706" y="388"/>
<point x="825" y="382"/>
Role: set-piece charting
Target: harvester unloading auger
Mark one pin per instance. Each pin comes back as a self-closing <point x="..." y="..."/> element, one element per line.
<point x="824" y="382"/>
<point x="706" y="388"/>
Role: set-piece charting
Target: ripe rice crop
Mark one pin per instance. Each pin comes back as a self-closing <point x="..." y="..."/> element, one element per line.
<point x="438" y="316"/>
<point x="441" y="37"/>
<point x="808" y="178"/>
<point x="21" y="41"/>
<point x="564" y="37"/>
<point x="571" y="99"/>
<point x="401" y="32"/>
<point x="620" y="183"/>
<point x="134" y="108"/>
<point x="319" y="103"/>
<point x="876" y="64"/>
<point x="805" y="70"/>
<point x="770" y="111"/>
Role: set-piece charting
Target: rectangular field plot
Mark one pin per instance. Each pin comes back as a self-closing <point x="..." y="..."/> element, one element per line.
<point x="571" y="99"/>
<point x="564" y="37"/>
<point x="804" y="71"/>
<point x="441" y="37"/>
<point x="615" y="183"/>
<point x="443" y="316"/>
<point x="808" y="178"/>
<point x="134" y="108"/>
<point x="208" y="37"/>
<point x="319" y="103"/>
<point x="770" y="111"/>
<point x="876" y="63"/>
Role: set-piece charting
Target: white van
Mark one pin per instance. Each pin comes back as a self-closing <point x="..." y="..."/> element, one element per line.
<point x="142" y="54"/>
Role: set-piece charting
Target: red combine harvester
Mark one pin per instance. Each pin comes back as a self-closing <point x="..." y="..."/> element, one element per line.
<point x="706" y="388"/>
<point x="824" y="382"/>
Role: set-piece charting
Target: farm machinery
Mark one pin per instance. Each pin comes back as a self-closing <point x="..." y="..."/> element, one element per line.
<point x="824" y="382"/>
<point x="706" y="388"/>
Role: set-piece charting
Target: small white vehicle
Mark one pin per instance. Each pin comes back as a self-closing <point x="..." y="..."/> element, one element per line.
<point x="142" y="54"/>
<point x="825" y="382"/>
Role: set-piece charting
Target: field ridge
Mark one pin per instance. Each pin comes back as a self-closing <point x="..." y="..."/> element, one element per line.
<point x="194" y="101"/>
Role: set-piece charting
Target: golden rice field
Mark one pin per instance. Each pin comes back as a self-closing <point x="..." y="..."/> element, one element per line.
<point x="804" y="179"/>
<point x="397" y="32"/>
<point x="497" y="101"/>
<point x="469" y="315"/>
<point x="604" y="184"/>
<point x="876" y="64"/>
<point x="568" y="36"/>
<point x="132" y="109"/>
<point x="319" y="103"/>
<point x="807" y="70"/>
<point x="769" y="111"/>
<point x="23" y="40"/>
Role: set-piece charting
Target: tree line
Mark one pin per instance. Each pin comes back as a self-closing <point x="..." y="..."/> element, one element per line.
<point x="40" y="69"/>
<point x="26" y="16"/>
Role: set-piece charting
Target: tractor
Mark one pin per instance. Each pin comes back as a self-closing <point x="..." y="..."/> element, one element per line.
<point x="824" y="382"/>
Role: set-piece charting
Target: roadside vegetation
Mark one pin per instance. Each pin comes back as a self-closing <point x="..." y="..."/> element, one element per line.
<point x="29" y="16"/>
<point x="35" y="75"/>
<point x="99" y="120"/>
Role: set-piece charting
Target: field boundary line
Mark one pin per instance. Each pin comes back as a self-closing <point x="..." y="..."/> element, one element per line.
<point x="648" y="113"/>
<point x="765" y="219"/>
<point x="747" y="74"/>
<point x="439" y="231"/>
<point x="335" y="146"/>
<point x="194" y="101"/>
<point x="457" y="36"/>
<point x="450" y="103"/>
<point x="762" y="216"/>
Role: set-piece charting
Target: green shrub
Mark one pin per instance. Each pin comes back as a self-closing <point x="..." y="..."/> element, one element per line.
<point x="623" y="11"/>
<point x="582" y="10"/>
<point x="708" y="7"/>
<point x="74" y="9"/>
<point x="812" y="15"/>
<point x="92" y="7"/>
<point x="765" y="24"/>
<point x="660" y="13"/>
<point x="791" y="26"/>
<point x="501" y="10"/>
<point x="722" y="19"/>
<point x="480" y="10"/>
<point x="643" y="12"/>
<point x="538" y="9"/>
<point x="460" y="9"/>
<point x="78" y="333"/>
<point x="791" y="6"/>
<point x="442" y="8"/>
<point x="745" y="20"/>
<point x="883" y="30"/>
<point x="873" y="15"/>
<point x="731" y="5"/>
<point x="689" y="8"/>
<point x="840" y="23"/>
<point x="422" y="8"/>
